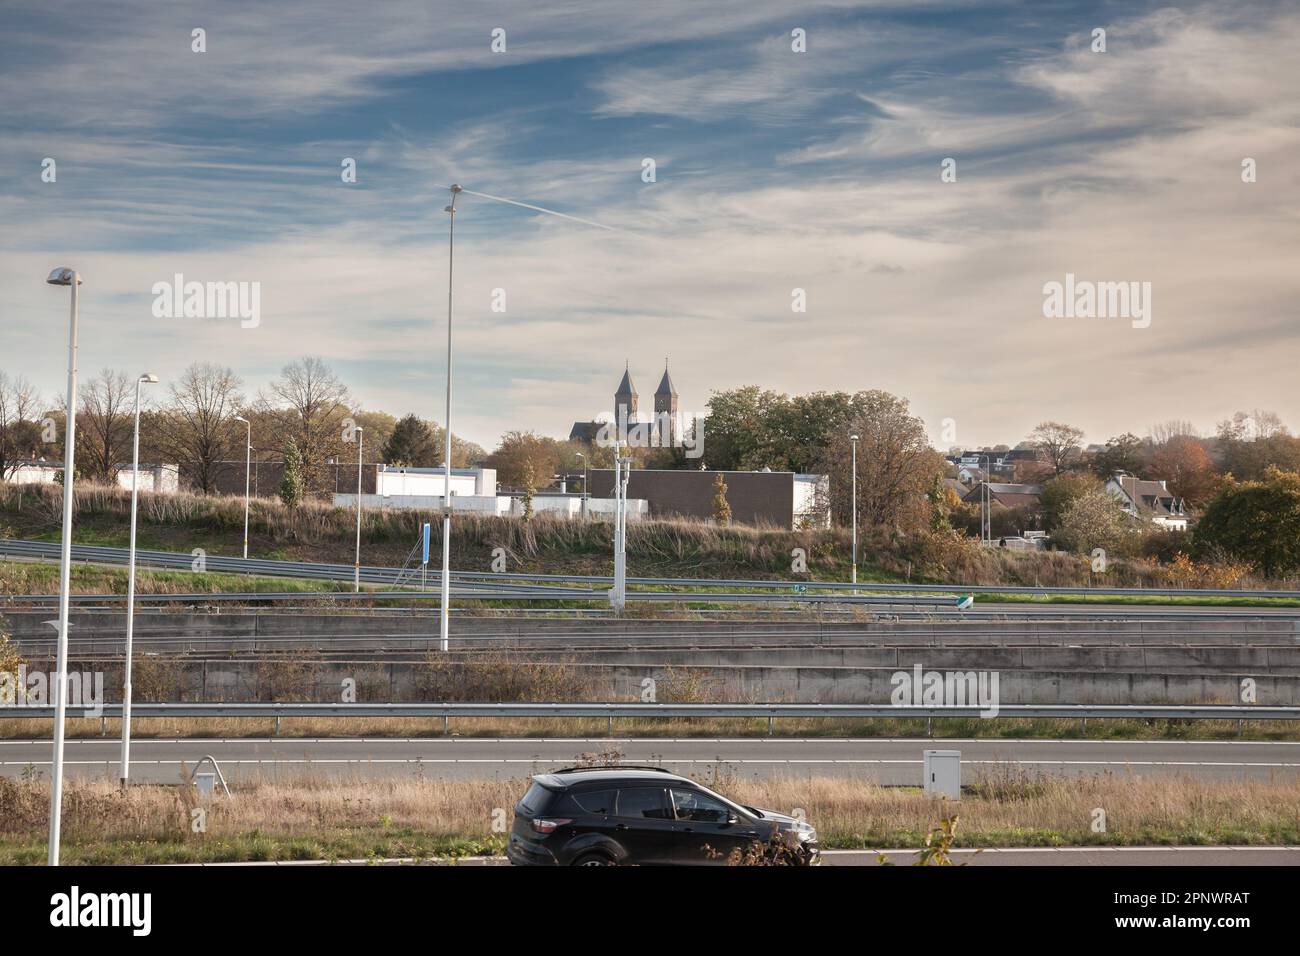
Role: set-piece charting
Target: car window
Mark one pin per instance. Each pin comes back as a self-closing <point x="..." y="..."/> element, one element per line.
<point x="699" y="807"/>
<point x="651" y="802"/>
<point x="536" y="799"/>
<point x="598" y="802"/>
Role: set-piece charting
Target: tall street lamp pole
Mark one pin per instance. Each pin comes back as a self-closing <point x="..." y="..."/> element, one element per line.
<point x="145" y="379"/>
<point x="853" y="439"/>
<point x="70" y="278"/>
<point x="584" y="483"/>
<point x="356" y="567"/>
<point x="248" y="468"/>
<point x="446" y="452"/>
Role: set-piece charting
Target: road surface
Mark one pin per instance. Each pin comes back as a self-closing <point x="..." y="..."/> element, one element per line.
<point x="886" y="761"/>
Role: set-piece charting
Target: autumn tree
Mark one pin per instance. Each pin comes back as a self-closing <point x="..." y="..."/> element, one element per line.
<point x="522" y="457"/>
<point x="721" y="507"/>
<point x="1057" y="444"/>
<point x="1255" y="521"/>
<point x="292" y="485"/>
<point x="896" y="466"/>
<point x="1093" y="520"/>
<point x="1185" y="467"/>
<point x="1123" y="455"/>
<point x="1060" y="494"/>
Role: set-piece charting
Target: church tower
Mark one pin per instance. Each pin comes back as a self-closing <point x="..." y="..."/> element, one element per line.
<point x="666" y="410"/>
<point x="625" y="399"/>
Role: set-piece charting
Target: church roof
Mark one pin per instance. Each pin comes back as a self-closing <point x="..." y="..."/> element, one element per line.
<point x="626" y="387"/>
<point x="666" y="385"/>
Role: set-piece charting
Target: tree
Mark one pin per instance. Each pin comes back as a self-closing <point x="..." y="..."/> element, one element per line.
<point x="1185" y="467"/>
<point x="1248" y="444"/>
<point x="721" y="508"/>
<point x="20" y="430"/>
<point x="522" y="457"/>
<point x="1255" y="521"/>
<point x="1125" y="454"/>
<point x="412" y="445"/>
<point x="200" y="431"/>
<point x="292" y="485"/>
<point x="1057" y="443"/>
<point x="314" y="405"/>
<point x="530" y="486"/>
<point x="104" y="424"/>
<point x="1093" y="520"/>
<point x="896" y="465"/>
<point x="1060" y="493"/>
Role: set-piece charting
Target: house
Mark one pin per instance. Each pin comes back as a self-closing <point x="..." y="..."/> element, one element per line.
<point x="1007" y="495"/>
<point x="1149" y="500"/>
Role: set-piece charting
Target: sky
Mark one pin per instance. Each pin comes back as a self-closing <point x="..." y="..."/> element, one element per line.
<point x="775" y="170"/>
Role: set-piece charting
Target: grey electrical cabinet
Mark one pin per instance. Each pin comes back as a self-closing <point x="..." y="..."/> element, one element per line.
<point x="943" y="773"/>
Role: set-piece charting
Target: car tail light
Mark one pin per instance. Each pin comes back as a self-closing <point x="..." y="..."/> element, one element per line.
<point x="548" y="824"/>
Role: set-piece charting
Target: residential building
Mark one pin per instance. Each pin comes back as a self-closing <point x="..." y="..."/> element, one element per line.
<point x="1149" y="500"/>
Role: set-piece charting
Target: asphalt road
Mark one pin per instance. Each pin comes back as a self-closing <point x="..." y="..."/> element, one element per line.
<point x="890" y="762"/>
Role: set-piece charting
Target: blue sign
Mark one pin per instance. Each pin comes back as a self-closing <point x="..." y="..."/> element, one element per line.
<point x="426" y="542"/>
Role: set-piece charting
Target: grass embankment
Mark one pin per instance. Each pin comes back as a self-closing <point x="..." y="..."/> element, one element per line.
<point x="311" y="818"/>
<point x="319" y="532"/>
<point x="554" y="727"/>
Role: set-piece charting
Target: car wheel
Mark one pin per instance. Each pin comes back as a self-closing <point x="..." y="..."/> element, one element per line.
<point x="593" y="859"/>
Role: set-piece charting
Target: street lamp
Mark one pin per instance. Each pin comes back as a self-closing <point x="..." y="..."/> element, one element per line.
<point x="248" y="467"/>
<point x="853" y="439"/>
<point x="145" y="379"/>
<point x="450" y="209"/>
<point x="584" y="483"/>
<point x="70" y="278"/>
<point x="356" y="568"/>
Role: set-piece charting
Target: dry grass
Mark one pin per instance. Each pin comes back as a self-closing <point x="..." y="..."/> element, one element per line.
<point x="1002" y="728"/>
<point x="323" y="817"/>
<point x="316" y="530"/>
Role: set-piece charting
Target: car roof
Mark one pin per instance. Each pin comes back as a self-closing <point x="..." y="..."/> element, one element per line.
<point x="573" y="776"/>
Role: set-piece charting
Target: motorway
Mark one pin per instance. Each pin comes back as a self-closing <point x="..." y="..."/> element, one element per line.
<point x="885" y="761"/>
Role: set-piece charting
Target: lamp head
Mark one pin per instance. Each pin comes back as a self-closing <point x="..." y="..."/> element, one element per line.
<point x="455" y="188"/>
<point x="148" y="378"/>
<point x="853" y="438"/>
<point x="63" y="276"/>
<point x="241" y="418"/>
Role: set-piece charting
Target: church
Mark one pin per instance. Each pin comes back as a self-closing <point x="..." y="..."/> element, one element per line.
<point x="665" y="422"/>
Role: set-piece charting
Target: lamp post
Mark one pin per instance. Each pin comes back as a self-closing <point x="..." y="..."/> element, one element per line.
<point x="70" y="278"/>
<point x="853" y="440"/>
<point x="445" y="612"/>
<point x="145" y="379"/>
<point x="248" y="467"/>
<point x="584" y="483"/>
<point x="356" y="567"/>
<point x="986" y="504"/>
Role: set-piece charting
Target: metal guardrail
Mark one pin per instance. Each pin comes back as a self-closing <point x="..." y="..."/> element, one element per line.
<point x="626" y="710"/>
<point x="382" y="575"/>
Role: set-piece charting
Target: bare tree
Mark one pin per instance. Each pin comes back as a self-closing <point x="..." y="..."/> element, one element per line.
<point x="316" y="405"/>
<point x="1057" y="443"/>
<point x="20" y="432"/>
<point x="104" y="423"/>
<point x="1161" y="433"/>
<point x="198" y="429"/>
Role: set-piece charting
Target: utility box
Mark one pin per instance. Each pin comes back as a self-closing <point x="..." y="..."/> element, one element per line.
<point x="205" y="784"/>
<point x="942" y="773"/>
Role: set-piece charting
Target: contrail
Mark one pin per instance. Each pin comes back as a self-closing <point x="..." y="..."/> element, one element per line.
<point x="551" y="212"/>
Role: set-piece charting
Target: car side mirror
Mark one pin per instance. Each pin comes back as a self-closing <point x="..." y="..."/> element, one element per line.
<point x="731" y="818"/>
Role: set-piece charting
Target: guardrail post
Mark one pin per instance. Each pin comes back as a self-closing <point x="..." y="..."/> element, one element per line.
<point x="1083" y="726"/>
<point x="446" y="725"/>
<point x="928" y="732"/>
<point x="609" y="726"/>
<point x="277" y="725"/>
<point x="769" y="725"/>
<point x="1239" y="723"/>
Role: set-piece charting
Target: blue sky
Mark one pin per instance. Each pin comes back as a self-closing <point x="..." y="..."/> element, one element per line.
<point x="776" y="170"/>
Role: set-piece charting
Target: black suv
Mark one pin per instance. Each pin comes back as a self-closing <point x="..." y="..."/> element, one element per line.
<point x="647" y="816"/>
